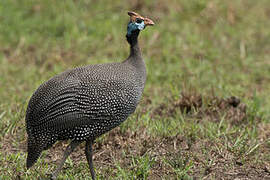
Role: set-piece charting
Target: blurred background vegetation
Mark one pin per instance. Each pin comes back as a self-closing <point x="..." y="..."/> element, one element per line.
<point x="205" y="110"/>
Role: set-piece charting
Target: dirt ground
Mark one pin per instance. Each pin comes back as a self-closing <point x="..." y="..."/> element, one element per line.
<point x="203" y="158"/>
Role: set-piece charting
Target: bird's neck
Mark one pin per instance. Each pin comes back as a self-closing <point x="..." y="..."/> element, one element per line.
<point x="135" y="50"/>
<point x="135" y="58"/>
<point x="134" y="45"/>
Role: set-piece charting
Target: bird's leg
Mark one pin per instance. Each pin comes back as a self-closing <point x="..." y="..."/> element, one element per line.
<point x="67" y="152"/>
<point x="89" y="154"/>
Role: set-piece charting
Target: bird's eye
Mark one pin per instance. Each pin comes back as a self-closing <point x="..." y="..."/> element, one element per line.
<point x="138" y="20"/>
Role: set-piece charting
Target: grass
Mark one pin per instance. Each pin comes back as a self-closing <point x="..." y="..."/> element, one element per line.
<point x="198" y="55"/>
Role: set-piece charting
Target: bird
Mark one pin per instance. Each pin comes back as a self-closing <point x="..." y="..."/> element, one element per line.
<point x="83" y="103"/>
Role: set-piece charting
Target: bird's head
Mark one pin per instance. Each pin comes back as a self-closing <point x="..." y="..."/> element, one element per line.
<point x="137" y="23"/>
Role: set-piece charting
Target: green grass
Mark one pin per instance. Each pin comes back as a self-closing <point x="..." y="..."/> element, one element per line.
<point x="214" y="49"/>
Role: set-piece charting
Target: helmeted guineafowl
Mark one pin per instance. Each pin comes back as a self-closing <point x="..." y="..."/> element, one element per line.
<point x="83" y="103"/>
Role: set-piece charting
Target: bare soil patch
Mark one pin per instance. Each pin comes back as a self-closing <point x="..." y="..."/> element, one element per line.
<point x="205" y="108"/>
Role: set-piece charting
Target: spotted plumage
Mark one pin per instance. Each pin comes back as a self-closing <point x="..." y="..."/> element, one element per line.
<point x="83" y="103"/>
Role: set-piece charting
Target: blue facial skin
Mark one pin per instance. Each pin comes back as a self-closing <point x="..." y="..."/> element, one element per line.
<point x="132" y="26"/>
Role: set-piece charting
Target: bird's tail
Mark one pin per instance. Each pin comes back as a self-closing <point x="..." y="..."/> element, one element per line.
<point x="36" y="144"/>
<point x="34" y="152"/>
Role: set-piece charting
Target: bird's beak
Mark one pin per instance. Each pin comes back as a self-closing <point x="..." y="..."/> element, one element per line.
<point x="148" y="22"/>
